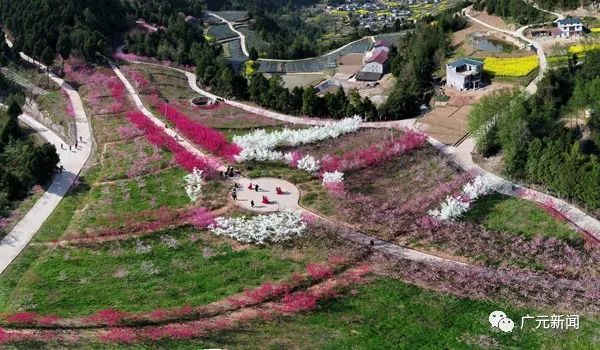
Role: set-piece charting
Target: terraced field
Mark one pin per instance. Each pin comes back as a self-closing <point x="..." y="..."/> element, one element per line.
<point x="393" y="38"/>
<point x="316" y="64"/>
<point x="234" y="54"/>
<point x="220" y="32"/>
<point x="233" y="16"/>
<point x="254" y="40"/>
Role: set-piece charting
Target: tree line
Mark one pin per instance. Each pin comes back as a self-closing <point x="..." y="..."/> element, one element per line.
<point x="23" y="162"/>
<point x="213" y="71"/>
<point x="271" y="93"/>
<point x="518" y="11"/>
<point x="161" y="11"/>
<point x="44" y="28"/>
<point x="178" y="44"/>
<point x="545" y="139"/>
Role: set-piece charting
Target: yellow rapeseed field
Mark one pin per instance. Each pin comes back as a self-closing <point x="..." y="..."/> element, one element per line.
<point x="583" y="48"/>
<point x="511" y="66"/>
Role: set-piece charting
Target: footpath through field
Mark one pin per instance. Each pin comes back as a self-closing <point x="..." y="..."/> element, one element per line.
<point x="289" y="201"/>
<point x="72" y="161"/>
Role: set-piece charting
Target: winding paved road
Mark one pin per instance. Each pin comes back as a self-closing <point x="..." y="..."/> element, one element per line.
<point x="461" y="155"/>
<point x="72" y="161"/>
<point x="519" y="34"/>
<point x="242" y="37"/>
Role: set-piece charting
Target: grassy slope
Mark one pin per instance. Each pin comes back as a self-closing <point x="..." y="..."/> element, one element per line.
<point x="390" y="314"/>
<point x="79" y="281"/>
<point x="517" y="216"/>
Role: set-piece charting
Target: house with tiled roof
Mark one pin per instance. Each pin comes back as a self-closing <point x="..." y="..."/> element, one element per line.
<point x="570" y="27"/>
<point x="376" y="62"/>
<point x="381" y="45"/>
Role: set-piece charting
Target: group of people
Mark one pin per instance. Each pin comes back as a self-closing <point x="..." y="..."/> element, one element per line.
<point x="251" y="187"/>
<point x="62" y="146"/>
<point x="228" y="173"/>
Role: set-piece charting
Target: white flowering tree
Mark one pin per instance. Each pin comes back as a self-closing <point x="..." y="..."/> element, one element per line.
<point x="193" y="184"/>
<point x="260" y="145"/>
<point x="333" y="177"/>
<point x="454" y="207"/>
<point x="262" y="229"/>
<point x="309" y="164"/>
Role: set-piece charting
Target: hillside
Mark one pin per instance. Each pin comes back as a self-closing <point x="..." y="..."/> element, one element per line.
<point x="38" y="26"/>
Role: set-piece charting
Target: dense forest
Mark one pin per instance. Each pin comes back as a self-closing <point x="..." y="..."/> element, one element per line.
<point x="518" y="11"/>
<point x="161" y="11"/>
<point x="536" y="144"/>
<point x="23" y="163"/>
<point x="289" y="36"/>
<point x="44" y="28"/>
<point x="178" y="44"/>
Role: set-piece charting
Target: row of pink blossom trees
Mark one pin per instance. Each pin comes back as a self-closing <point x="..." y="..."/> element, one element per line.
<point x="314" y="274"/>
<point x="97" y="83"/>
<point x="375" y="153"/>
<point x="332" y="167"/>
<point x="147" y="222"/>
<point x="182" y="156"/>
<point x="205" y="137"/>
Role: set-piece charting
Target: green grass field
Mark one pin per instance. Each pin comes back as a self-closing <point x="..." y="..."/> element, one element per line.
<point x="390" y="314"/>
<point x="53" y="106"/>
<point x="118" y="159"/>
<point x="110" y="204"/>
<point x="144" y="274"/>
<point x="520" y="217"/>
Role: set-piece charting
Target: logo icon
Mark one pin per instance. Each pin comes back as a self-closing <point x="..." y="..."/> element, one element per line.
<point x="506" y="325"/>
<point x="498" y="319"/>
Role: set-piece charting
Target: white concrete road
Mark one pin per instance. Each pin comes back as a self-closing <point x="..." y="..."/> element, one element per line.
<point x="73" y="161"/>
<point x="242" y="37"/>
<point x="519" y="33"/>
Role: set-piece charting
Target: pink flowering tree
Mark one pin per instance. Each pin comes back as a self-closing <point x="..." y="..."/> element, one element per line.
<point x="374" y="154"/>
<point x="184" y="158"/>
<point x="207" y="138"/>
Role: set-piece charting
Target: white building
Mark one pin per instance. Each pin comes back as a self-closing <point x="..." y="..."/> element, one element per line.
<point x="464" y="74"/>
<point x="570" y="27"/>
